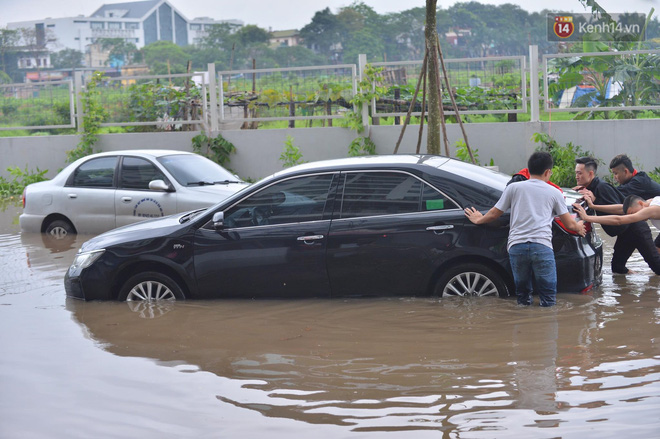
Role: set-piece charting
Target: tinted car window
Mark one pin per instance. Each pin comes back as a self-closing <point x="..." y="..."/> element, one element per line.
<point x="290" y="201"/>
<point x="96" y="173"/>
<point x="434" y="200"/>
<point x="389" y="193"/>
<point x="136" y="173"/>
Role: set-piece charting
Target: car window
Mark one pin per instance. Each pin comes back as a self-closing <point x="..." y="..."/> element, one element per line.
<point x="434" y="200"/>
<point x="291" y="201"/>
<point x="136" y="173"/>
<point x="98" y="172"/>
<point x="389" y="193"/>
<point x="191" y="169"/>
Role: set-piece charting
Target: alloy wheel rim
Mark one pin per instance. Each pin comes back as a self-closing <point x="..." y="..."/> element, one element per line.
<point x="58" y="232"/>
<point x="470" y="284"/>
<point x="150" y="291"/>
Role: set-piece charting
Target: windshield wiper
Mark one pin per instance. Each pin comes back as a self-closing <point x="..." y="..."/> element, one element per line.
<point x="188" y="216"/>
<point x="200" y="183"/>
<point x="227" y="182"/>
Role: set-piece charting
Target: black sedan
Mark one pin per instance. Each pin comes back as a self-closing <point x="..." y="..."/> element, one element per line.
<point x="364" y="226"/>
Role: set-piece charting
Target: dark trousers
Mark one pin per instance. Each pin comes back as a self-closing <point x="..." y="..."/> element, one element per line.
<point x="636" y="237"/>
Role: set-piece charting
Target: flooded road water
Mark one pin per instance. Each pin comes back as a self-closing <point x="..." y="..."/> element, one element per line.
<point x="404" y="367"/>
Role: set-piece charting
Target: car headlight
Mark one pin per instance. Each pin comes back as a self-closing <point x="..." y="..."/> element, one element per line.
<point x="84" y="260"/>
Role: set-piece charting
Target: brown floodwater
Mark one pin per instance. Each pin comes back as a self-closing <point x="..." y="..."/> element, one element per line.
<point x="401" y="367"/>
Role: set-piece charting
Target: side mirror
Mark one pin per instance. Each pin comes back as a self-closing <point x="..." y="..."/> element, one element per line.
<point x="218" y="220"/>
<point x="159" y="185"/>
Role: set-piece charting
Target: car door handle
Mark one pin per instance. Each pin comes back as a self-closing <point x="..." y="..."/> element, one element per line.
<point x="440" y="228"/>
<point x="308" y="239"/>
<point x="126" y="199"/>
<point x="73" y="195"/>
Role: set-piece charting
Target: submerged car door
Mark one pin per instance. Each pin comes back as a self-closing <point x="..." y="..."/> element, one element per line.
<point x="134" y="201"/>
<point x="390" y="231"/>
<point x="273" y="242"/>
<point x="88" y="197"/>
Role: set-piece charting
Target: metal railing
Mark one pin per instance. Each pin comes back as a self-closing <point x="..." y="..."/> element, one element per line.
<point x="167" y="102"/>
<point x="490" y="85"/>
<point x="296" y="93"/>
<point x="36" y="106"/>
<point x="594" y="75"/>
<point x="206" y="100"/>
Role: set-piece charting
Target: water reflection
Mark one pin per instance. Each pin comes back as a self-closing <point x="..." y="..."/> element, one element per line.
<point x="387" y="365"/>
<point x="461" y="368"/>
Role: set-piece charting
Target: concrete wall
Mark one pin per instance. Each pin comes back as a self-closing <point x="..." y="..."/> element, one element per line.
<point x="509" y="144"/>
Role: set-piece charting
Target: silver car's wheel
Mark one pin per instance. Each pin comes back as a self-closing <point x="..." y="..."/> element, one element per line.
<point x="470" y="280"/>
<point x="150" y="287"/>
<point x="59" y="229"/>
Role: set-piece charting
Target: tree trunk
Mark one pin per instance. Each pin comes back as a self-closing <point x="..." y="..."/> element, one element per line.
<point x="431" y="36"/>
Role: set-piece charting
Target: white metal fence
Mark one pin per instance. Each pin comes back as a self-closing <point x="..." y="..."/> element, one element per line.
<point x="602" y="81"/>
<point x="48" y="105"/>
<point x="493" y="85"/>
<point x="208" y="100"/>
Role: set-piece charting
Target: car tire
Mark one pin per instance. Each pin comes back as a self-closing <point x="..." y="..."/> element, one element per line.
<point x="150" y="286"/>
<point x="59" y="229"/>
<point x="470" y="280"/>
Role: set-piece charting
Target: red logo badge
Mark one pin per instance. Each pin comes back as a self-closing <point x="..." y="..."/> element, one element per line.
<point x="563" y="26"/>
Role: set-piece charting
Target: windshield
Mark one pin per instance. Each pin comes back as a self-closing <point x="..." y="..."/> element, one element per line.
<point x="192" y="169"/>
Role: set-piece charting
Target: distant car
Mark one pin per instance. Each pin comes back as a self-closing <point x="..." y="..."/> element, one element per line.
<point x="367" y="226"/>
<point x="102" y="191"/>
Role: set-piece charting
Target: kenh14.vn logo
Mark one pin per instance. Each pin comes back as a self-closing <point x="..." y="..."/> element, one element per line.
<point x="564" y="26"/>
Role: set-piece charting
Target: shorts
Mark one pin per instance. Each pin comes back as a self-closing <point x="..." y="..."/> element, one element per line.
<point x="657" y="241"/>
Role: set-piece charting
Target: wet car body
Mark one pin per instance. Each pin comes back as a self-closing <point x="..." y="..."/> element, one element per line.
<point x="307" y="232"/>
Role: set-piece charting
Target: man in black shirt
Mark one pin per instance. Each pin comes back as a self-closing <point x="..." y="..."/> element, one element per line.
<point x="631" y="181"/>
<point x="629" y="237"/>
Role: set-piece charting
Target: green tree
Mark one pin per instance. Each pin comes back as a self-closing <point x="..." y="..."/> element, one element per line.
<point x="121" y="51"/>
<point x="323" y="32"/>
<point x="9" y="39"/>
<point x="67" y="59"/>
<point x="158" y="54"/>
<point x="296" y="56"/>
<point x="251" y="35"/>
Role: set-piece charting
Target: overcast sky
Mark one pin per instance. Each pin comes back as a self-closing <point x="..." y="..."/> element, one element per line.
<point x="282" y="14"/>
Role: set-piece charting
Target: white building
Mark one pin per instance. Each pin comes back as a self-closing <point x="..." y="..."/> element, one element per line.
<point x="140" y="23"/>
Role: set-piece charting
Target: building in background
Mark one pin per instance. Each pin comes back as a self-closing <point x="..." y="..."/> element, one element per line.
<point x="140" y="23"/>
<point x="285" y="38"/>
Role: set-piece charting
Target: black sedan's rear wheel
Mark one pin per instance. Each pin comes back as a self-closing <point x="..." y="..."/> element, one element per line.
<point x="150" y="286"/>
<point x="470" y="280"/>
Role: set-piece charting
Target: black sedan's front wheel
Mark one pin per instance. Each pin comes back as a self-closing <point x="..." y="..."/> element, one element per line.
<point x="470" y="280"/>
<point x="150" y="286"/>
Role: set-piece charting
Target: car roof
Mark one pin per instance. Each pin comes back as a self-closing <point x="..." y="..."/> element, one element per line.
<point x="141" y="152"/>
<point x="422" y="162"/>
<point x="377" y="161"/>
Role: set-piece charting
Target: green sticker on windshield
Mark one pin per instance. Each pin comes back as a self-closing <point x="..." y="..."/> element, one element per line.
<point x="435" y="204"/>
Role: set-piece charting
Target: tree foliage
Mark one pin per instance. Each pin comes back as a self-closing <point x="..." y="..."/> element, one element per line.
<point x="67" y="59"/>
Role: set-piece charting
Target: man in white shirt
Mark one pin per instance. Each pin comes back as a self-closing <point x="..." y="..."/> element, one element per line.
<point x="533" y="204"/>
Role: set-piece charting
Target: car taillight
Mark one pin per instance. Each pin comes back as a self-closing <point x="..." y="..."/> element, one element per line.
<point x="23" y="198"/>
<point x="587" y="226"/>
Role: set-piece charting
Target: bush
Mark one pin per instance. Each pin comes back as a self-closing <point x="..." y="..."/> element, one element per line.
<point x="21" y="178"/>
<point x="563" y="171"/>
<point x="218" y="149"/>
<point x="291" y="155"/>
